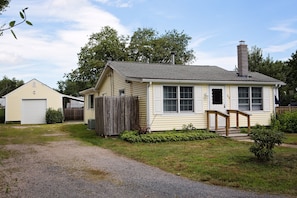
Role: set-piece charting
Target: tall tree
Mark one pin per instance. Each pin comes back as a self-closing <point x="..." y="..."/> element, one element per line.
<point x="147" y="45"/>
<point x="255" y="59"/>
<point x="103" y="46"/>
<point x="275" y="69"/>
<point x="141" y="45"/>
<point x="144" y="45"/>
<point x="292" y="76"/>
<point x="7" y="85"/>
<point x="173" y="42"/>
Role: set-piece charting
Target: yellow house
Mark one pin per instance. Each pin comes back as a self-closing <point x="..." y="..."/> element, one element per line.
<point x="173" y="95"/>
<point x="28" y="103"/>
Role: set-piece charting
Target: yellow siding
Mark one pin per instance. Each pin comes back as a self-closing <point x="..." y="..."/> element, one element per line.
<point x="113" y="83"/>
<point x="89" y="113"/>
<point x="111" y="86"/>
<point x="176" y="121"/>
<point x="31" y="90"/>
<point x="119" y="83"/>
<point x="166" y="121"/>
<point x="105" y="88"/>
<point x="140" y="90"/>
<point x="257" y="117"/>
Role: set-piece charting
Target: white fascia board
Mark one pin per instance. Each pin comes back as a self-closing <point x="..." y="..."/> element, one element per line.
<point x="211" y="82"/>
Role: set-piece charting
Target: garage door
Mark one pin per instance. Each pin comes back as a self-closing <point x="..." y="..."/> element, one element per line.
<point x="33" y="111"/>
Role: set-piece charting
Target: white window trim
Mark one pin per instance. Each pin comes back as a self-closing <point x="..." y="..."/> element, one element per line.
<point x="158" y="100"/>
<point x="179" y="99"/>
<point x="265" y="101"/>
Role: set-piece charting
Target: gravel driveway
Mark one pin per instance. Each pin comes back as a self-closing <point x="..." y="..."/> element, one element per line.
<point x="72" y="169"/>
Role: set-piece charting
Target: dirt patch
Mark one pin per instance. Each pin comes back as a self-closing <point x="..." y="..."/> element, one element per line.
<point x="24" y="126"/>
<point x="54" y="135"/>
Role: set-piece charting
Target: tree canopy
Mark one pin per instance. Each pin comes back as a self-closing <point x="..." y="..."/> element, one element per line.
<point x="145" y="45"/>
<point x="7" y="85"/>
<point x="3" y="5"/>
<point x="285" y="71"/>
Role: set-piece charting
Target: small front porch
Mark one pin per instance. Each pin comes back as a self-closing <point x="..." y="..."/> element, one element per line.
<point x="227" y="131"/>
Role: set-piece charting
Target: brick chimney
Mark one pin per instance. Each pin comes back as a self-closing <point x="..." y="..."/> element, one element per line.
<point x="242" y="55"/>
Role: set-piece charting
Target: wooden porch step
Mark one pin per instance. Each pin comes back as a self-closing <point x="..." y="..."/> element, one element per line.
<point x="231" y="131"/>
<point x="234" y="133"/>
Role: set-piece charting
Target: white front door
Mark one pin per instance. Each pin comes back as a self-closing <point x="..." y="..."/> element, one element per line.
<point x="217" y="101"/>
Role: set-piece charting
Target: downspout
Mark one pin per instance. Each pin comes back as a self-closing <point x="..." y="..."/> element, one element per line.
<point x="276" y="96"/>
<point x="148" y="117"/>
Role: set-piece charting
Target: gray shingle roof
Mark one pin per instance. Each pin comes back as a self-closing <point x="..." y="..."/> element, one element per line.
<point x="143" y="71"/>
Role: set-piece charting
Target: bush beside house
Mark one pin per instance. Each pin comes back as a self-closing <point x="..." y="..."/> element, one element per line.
<point x="288" y="122"/>
<point x="54" y="116"/>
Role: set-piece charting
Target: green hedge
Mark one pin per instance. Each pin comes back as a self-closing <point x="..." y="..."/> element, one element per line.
<point x="288" y="122"/>
<point x="134" y="136"/>
<point x="54" y="116"/>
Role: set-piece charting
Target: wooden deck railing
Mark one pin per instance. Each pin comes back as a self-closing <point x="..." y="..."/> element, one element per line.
<point x="218" y="113"/>
<point x="227" y="119"/>
<point x="237" y="112"/>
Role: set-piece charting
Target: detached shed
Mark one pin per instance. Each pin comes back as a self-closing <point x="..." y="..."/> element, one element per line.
<point x="28" y="103"/>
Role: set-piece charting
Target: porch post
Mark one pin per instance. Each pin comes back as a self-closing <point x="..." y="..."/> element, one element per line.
<point x="227" y="126"/>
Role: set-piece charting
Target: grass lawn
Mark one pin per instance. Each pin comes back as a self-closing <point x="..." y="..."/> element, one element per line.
<point x="29" y="134"/>
<point x="291" y="138"/>
<point x="218" y="161"/>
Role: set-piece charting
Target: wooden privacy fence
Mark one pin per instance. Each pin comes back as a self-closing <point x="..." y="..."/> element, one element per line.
<point x="283" y="109"/>
<point x="74" y="114"/>
<point x="114" y="115"/>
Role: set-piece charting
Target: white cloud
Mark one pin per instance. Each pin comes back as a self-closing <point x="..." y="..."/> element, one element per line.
<point x="282" y="47"/>
<point x="60" y="28"/>
<point x="117" y="3"/>
<point x="196" y="42"/>
<point x="226" y="62"/>
<point x="286" y="27"/>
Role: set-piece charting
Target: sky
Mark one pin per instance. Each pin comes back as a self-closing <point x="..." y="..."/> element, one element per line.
<point x="48" y="49"/>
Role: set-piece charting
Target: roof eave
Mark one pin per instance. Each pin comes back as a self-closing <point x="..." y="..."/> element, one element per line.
<point x="87" y="91"/>
<point x="207" y="82"/>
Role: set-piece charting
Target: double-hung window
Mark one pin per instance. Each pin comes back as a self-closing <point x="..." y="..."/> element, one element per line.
<point x="250" y="98"/>
<point x="178" y="99"/>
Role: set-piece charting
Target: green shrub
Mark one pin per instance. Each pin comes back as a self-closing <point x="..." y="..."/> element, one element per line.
<point x="53" y="116"/>
<point x="275" y="123"/>
<point x="188" y="127"/>
<point x="288" y="122"/>
<point x="172" y="136"/>
<point x="2" y="115"/>
<point x="264" y="142"/>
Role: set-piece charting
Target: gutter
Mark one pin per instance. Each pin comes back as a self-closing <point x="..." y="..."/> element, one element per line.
<point x="210" y="82"/>
<point x="148" y="117"/>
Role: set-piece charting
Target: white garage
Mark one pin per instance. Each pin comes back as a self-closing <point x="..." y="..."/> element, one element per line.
<point x="33" y="111"/>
